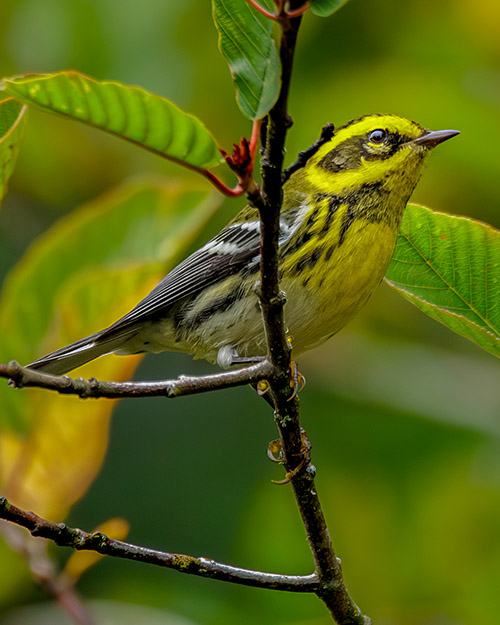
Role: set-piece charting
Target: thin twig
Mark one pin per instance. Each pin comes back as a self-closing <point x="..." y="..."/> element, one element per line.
<point x="184" y="385"/>
<point x="76" y="538"/>
<point x="69" y="601"/>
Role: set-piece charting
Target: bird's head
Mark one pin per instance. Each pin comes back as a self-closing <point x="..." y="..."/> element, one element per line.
<point x="385" y="150"/>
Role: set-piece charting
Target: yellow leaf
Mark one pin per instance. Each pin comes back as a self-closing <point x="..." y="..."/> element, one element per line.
<point x="81" y="276"/>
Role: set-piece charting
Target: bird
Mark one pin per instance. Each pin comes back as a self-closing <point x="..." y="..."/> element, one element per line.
<point x="343" y="201"/>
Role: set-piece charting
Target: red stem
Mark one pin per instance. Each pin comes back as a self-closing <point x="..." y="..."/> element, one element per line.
<point x="300" y="11"/>
<point x="282" y="13"/>
<point x="254" y="139"/>
<point x="261" y="9"/>
<point x="221" y="186"/>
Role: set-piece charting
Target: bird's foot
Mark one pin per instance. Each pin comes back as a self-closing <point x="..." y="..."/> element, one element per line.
<point x="297" y="380"/>
<point x="275" y="453"/>
<point x="227" y="356"/>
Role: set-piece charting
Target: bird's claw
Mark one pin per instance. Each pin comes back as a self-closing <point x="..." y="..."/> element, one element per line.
<point x="297" y="380"/>
<point x="262" y="387"/>
<point x="275" y="453"/>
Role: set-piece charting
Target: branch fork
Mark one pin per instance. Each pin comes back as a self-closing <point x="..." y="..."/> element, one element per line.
<point x="78" y="539"/>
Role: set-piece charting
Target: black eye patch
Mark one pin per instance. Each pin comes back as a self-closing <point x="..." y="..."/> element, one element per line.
<point x="348" y="154"/>
<point x="392" y="140"/>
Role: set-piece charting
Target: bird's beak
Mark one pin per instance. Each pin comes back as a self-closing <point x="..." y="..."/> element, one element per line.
<point x="430" y="138"/>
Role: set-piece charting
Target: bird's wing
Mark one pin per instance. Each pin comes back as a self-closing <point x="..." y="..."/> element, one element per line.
<point x="224" y="255"/>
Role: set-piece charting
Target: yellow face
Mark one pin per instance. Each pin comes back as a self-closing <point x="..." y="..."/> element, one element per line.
<point x="372" y="149"/>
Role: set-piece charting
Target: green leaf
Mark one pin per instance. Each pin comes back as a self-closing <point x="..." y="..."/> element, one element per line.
<point x="12" y="120"/>
<point x="247" y="43"/>
<point x="323" y="8"/>
<point x="449" y="267"/>
<point x="131" y="113"/>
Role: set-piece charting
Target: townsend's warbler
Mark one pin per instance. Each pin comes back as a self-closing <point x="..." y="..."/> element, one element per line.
<point x="342" y="209"/>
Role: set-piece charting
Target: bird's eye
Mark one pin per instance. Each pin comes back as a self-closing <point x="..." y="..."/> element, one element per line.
<point x="377" y="136"/>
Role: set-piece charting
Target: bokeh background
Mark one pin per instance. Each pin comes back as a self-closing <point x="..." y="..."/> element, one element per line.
<point x="403" y="415"/>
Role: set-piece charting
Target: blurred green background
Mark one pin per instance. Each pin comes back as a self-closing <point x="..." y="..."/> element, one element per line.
<point x="404" y="416"/>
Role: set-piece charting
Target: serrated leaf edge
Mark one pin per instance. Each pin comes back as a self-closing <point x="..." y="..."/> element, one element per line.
<point x="430" y="265"/>
<point x="410" y="296"/>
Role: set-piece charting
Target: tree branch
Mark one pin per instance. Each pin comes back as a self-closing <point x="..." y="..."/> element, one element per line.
<point x="78" y="539"/>
<point x="184" y="385"/>
<point x="271" y="298"/>
<point x="295" y="446"/>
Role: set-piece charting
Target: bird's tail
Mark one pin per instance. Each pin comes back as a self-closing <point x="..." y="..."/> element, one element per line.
<point x="77" y="354"/>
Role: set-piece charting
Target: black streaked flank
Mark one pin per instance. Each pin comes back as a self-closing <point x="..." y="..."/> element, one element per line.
<point x="219" y="305"/>
<point x="329" y="251"/>
<point x="313" y="216"/>
<point x="334" y="202"/>
<point x="304" y="238"/>
<point x="308" y="260"/>
<point x="364" y="202"/>
<point x="347" y="221"/>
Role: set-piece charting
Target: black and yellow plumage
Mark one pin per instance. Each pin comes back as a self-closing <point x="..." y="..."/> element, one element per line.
<point x="341" y="213"/>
